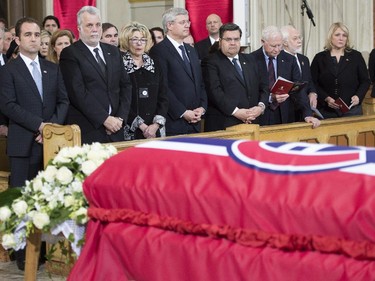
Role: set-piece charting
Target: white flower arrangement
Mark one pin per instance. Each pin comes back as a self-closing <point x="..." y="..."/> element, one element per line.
<point x="54" y="196"/>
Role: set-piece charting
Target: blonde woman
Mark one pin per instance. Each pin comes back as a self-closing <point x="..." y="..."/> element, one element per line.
<point x="339" y="72"/>
<point x="60" y="39"/>
<point x="45" y="38"/>
<point x="149" y="96"/>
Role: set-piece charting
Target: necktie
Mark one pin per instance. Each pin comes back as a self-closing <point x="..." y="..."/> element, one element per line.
<point x="271" y="72"/>
<point x="186" y="60"/>
<point x="271" y="80"/>
<point x="37" y="78"/>
<point x="238" y="68"/>
<point x="101" y="63"/>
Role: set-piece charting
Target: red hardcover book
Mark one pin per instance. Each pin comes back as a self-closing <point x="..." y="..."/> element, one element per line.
<point x="343" y="106"/>
<point x="284" y="86"/>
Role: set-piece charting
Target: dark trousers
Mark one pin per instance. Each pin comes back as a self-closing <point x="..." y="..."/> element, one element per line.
<point x="26" y="168"/>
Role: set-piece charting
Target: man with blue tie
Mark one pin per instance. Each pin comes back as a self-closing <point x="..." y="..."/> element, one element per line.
<point x="32" y="93"/>
<point x="182" y="74"/>
<point x="236" y="93"/>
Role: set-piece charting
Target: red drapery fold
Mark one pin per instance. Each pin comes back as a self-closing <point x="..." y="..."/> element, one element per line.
<point x="361" y="250"/>
<point x="66" y="12"/>
<point x="199" y="10"/>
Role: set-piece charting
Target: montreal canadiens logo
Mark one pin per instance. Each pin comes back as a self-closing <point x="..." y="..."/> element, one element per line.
<point x="296" y="157"/>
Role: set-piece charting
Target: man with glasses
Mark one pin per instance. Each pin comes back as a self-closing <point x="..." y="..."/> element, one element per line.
<point x="272" y="63"/>
<point x="213" y="23"/>
<point x="236" y="93"/>
<point x="98" y="86"/>
<point x="182" y="71"/>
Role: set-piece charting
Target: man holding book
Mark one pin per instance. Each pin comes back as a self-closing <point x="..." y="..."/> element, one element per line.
<point x="273" y="63"/>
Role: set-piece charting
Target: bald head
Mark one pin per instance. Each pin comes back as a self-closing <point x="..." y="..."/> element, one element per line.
<point x="213" y="24"/>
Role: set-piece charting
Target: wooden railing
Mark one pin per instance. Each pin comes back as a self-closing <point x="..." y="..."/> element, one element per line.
<point x="353" y="131"/>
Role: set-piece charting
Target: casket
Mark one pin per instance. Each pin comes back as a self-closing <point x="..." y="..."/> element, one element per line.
<point x="207" y="209"/>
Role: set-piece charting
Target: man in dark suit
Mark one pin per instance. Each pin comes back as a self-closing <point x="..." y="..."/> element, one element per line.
<point x="27" y="107"/>
<point x="3" y="60"/>
<point x="236" y="93"/>
<point x="271" y="59"/>
<point x="213" y="23"/>
<point x="182" y="71"/>
<point x="98" y="86"/>
<point x="292" y="43"/>
<point x="32" y="93"/>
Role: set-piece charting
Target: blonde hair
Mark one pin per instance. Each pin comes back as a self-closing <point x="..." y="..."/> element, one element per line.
<point x="52" y="55"/>
<point x="332" y="30"/>
<point x="127" y="32"/>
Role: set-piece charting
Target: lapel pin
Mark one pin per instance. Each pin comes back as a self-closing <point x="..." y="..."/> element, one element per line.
<point x="303" y="63"/>
<point x="347" y="59"/>
<point x="44" y="71"/>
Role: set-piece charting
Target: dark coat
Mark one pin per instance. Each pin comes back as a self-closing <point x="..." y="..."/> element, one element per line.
<point x="350" y="79"/>
<point x="287" y="68"/>
<point x="91" y="94"/>
<point x="20" y="101"/>
<point x="203" y="47"/>
<point x="184" y="92"/>
<point x="226" y="90"/>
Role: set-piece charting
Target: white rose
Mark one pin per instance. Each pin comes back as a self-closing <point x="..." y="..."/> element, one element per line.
<point x="52" y="204"/>
<point x="20" y="207"/>
<point x="81" y="212"/>
<point x="49" y="173"/>
<point x="8" y="241"/>
<point x="77" y="186"/>
<point x="40" y="220"/>
<point x="68" y="201"/>
<point x="88" y="167"/>
<point x="5" y="213"/>
<point x="64" y="175"/>
<point x="37" y="184"/>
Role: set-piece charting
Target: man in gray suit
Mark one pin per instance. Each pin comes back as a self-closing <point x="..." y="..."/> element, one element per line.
<point x="32" y="93"/>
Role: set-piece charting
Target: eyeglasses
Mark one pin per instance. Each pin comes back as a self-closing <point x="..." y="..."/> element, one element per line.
<point x="274" y="46"/>
<point x="230" y="40"/>
<point x="183" y="22"/>
<point x="142" y="41"/>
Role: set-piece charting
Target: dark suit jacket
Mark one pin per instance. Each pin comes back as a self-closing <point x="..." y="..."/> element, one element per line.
<point x="287" y="68"/>
<point x="184" y="92"/>
<point x="350" y="79"/>
<point x="371" y="68"/>
<point x="226" y="90"/>
<point x="203" y="47"/>
<point x="306" y="73"/>
<point x="21" y="103"/>
<point x="3" y="119"/>
<point x="91" y="93"/>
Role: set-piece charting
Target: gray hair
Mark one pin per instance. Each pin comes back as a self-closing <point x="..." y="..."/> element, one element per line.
<point x="285" y="31"/>
<point x="170" y="15"/>
<point x="87" y="9"/>
<point x="271" y="32"/>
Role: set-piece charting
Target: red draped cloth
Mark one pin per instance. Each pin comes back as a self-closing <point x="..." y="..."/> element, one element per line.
<point x="66" y="12"/>
<point x="218" y="210"/>
<point x="199" y="10"/>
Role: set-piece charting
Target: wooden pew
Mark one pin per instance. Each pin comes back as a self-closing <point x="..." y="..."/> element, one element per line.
<point x="358" y="130"/>
<point x="55" y="137"/>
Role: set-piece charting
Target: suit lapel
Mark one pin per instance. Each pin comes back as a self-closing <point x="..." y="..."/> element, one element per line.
<point x="108" y="60"/>
<point x="90" y="57"/>
<point x="25" y="73"/>
<point x="175" y="54"/>
<point x="344" y="62"/>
